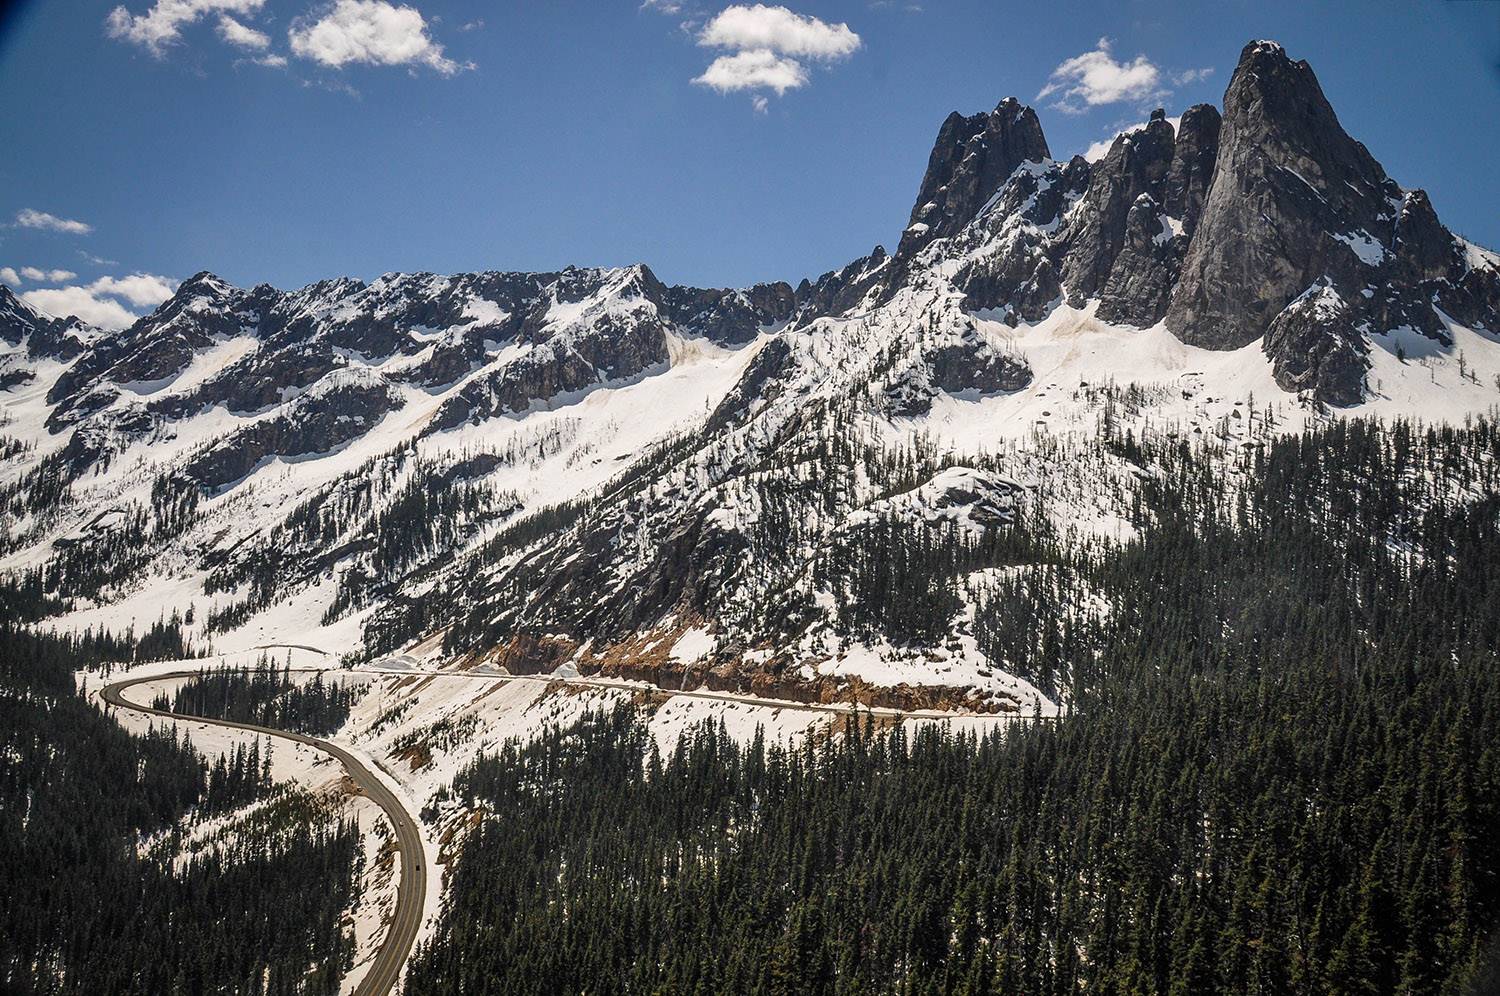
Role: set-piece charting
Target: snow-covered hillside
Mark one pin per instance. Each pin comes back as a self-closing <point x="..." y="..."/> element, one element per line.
<point x="800" y="493"/>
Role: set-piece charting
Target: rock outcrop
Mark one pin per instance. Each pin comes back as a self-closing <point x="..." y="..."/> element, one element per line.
<point x="1128" y="182"/>
<point x="1299" y="211"/>
<point x="972" y="157"/>
<point x="1314" y="346"/>
<point x="1289" y="181"/>
<point x="1161" y="218"/>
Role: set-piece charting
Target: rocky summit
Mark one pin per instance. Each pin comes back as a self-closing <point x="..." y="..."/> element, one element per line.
<point x="595" y="470"/>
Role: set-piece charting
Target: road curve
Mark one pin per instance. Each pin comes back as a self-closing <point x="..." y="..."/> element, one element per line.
<point x="385" y="972"/>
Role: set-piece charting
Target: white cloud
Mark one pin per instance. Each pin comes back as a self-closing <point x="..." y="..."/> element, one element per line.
<point x="161" y="26"/>
<point x="46" y="276"/>
<point x="1100" y="149"/>
<point x="768" y="44"/>
<point x="98" y="304"/>
<point x="97" y="260"/>
<point x="1192" y="76"/>
<point x="61" y="302"/>
<point x="758" y="70"/>
<point x="140" y="289"/>
<point x="9" y="276"/>
<point x="663" y="6"/>
<point x="272" y="61"/>
<point x="241" y="35"/>
<point x="1095" y="78"/>
<point x="29" y="218"/>
<point x="777" y="29"/>
<point x="760" y="104"/>
<point x="369" y="31"/>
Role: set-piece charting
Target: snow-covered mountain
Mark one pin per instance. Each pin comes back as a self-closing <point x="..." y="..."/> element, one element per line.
<point x="803" y="491"/>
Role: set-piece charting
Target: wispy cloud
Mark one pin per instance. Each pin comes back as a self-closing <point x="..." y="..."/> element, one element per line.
<point x="370" y="32"/>
<point x="161" y="26"/>
<point x="31" y="218"/>
<point x="242" y="36"/>
<point x="9" y="276"/>
<point x="1096" y="77"/>
<point x="769" y="46"/>
<point x="1188" y="76"/>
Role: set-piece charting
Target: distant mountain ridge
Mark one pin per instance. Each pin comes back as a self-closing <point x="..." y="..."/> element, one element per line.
<point x="581" y="467"/>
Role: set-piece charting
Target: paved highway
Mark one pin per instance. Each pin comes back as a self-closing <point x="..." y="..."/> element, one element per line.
<point x="383" y="975"/>
<point x="837" y="708"/>
<point x="386" y="971"/>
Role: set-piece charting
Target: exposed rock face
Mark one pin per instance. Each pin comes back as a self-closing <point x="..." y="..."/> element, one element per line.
<point x="1161" y="218"/>
<point x="1010" y="264"/>
<point x="1297" y="210"/>
<point x="315" y="425"/>
<point x="976" y="366"/>
<point x="841" y="290"/>
<point x="973" y="156"/>
<point x="1288" y="181"/>
<point x="156" y="349"/>
<point x="621" y="349"/>
<point x="16" y="320"/>
<point x="496" y="342"/>
<point x="1195" y="150"/>
<point x="1134" y="168"/>
<point x="1145" y="270"/>
<point x="53" y="338"/>
<point x="1315" y="347"/>
<point x="759" y="386"/>
<point x="731" y="316"/>
<point x="50" y="338"/>
<point x="597" y="327"/>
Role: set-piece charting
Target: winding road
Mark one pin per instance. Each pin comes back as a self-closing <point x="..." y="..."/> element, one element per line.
<point x="385" y="971"/>
<point x="735" y="698"/>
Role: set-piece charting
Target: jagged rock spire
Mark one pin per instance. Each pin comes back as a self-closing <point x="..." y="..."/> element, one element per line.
<point x="1135" y="167"/>
<point x="971" y="158"/>
<point x="1287" y="181"/>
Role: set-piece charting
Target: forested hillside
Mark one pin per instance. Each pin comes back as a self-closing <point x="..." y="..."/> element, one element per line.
<point x="1281" y="775"/>
<point x="92" y="907"/>
<point x="264" y="696"/>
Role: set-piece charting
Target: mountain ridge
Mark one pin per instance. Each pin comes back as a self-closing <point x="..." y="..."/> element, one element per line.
<point x="589" y="468"/>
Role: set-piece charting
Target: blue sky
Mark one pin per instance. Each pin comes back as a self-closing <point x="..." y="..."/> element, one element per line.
<point x="291" y="140"/>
